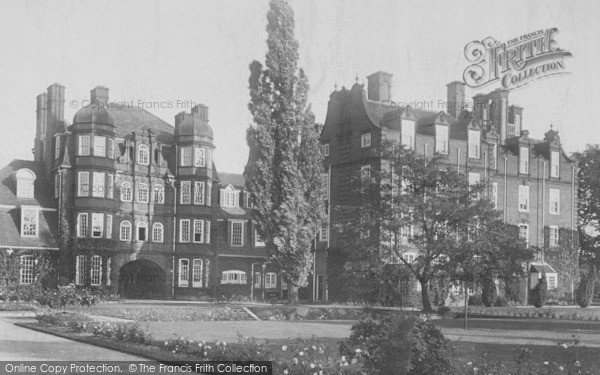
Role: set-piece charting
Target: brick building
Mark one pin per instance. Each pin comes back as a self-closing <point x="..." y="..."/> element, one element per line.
<point x="532" y="181"/>
<point x="131" y="203"/>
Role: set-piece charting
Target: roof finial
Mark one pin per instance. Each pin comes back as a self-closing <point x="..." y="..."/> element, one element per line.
<point x="356" y="78"/>
<point x="551" y="126"/>
<point x="335" y="85"/>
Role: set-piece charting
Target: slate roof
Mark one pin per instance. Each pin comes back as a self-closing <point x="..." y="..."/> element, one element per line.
<point x="542" y="268"/>
<point x="131" y="118"/>
<point x="237" y="180"/>
<point x="10" y="209"/>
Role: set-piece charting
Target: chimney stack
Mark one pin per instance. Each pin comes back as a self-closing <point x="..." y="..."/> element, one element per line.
<point x="179" y="117"/>
<point x="380" y="87"/>
<point x="456" y="98"/>
<point x="202" y="111"/>
<point x="56" y="103"/>
<point x="99" y="95"/>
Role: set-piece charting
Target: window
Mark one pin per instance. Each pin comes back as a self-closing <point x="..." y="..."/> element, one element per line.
<point x="199" y="231"/>
<point x="26" y="275"/>
<point x="553" y="240"/>
<point x="524" y="160"/>
<point x="257" y="280"/>
<point x="96" y="270"/>
<point x="29" y="221"/>
<point x="56" y="147"/>
<point x="142" y="230"/>
<point x="229" y="197"/>
<point x="99" y="146"/>
<point x="258" y="241"/>
<point x="270" y="280"/>
<point x="208" y="158"/>
<point x="554" y="164"/>
<point x="495" y="155"/>
<point x="474" y="178"/>
<point x="110" y="186"/>
<point x="552" y="283"/>
<point x="157" y="232"/>
<point x="208" y="192"/>
<point x="125" y="232"/>
<point x="523" y="198"/>
<point x="495" y="194"/>
<point x="365" y="172"/>
<point x="237" y="229"/>
<point x="186" y="157"/>
<point x="207" y="228"/>
<point x="365" y="140"/>
<point x="249" y="201"/>
<point x="406" y="232"/>
<point x="199" y="159"/>
<point x="126" y="192"/>
<point x="56" y="185"/>
<point x="25" y="179"/>
<point x="110" y="150"/>
<point x="408" y="133"/>
<point x="84" y="145"/>
<point x="186" y="192"/>
<point x="184" y="271"/>
<point x="143" y="155"/>
<point x="82" y="224"/>
<point x="409" y="257"/>
<point x="233" y="277"/>
<point x="197" y="273"/>
<point x="325" y="148"/>
<point x="142" y="193"/>
<point x="441" y="139"/>
<point x="324" y="234"/>
<point x="554" y="201"/>
<point x="159" y="194"/>
<point x="108" y="262"/>
<point x="109" y="223"/>
<point x="98" y="183"/>
<point x="184" y="230"/>
<point x="207" y="273"/>
<point x="80" y="270"/>
<point x="97" y="225"/>
<point x="524" y="232"/>
<point x="474" y="143"/>
<point x="198" y="192"/>
<point x="83" y="186"/>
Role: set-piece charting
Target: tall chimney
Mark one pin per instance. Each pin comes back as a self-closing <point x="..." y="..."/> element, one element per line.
<point x="380" y="87"/>
<point x="179" y="117"/>
<point x="201" y="110"/>
<point x="41" y="125"/>
<point x="99" y="95"/>
<point x="56" y="104"/>
<point x="456" y="98"/>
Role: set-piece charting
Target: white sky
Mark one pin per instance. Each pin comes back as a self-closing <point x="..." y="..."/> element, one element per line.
<point x="165" y="51"/>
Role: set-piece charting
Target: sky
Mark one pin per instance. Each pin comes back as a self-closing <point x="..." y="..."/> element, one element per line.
<point x="166" y="55"/>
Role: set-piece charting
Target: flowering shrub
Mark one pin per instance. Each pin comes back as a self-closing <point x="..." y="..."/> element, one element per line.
<point x="398" y="345"/>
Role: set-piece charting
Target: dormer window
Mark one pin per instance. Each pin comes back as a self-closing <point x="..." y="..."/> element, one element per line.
<point x="408" y="134"/>
<point x="29" y="221"/>
<point x="229" y="197"/>
<point x="474" y="143"/>
<point x="143" y="155"/>
<point x="25" y="179"/>
<point x="365" y="140"/>
<point x="441" y="139"/>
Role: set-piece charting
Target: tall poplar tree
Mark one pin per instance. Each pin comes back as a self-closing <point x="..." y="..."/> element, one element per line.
<point x="284" y="172"/>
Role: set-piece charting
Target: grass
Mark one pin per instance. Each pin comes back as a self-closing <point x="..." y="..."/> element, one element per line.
<point x="171" y="313"/>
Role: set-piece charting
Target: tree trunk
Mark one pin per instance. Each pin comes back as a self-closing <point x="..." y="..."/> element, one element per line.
<point x="425" y="295"/>
<point x="293" y="298"/>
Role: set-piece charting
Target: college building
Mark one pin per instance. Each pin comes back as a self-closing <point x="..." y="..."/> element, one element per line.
<point x="531" y="181"/>
<point x="131" y="203"/>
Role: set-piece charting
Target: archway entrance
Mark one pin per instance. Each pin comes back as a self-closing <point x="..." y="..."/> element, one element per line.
<point x="142" y="279"/>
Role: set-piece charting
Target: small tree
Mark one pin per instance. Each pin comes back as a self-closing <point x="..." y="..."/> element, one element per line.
<point x="585" y="291"/>
<point x="489" y="292"/>
<point x="540" y="292"/>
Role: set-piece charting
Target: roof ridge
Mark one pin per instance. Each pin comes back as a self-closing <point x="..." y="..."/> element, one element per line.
<point x="155" y="116"/>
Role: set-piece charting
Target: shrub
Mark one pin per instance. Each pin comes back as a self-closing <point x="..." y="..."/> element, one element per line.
<point x="475" y="300"/>
<point x="398" y="344"/>
<point x="515" y="291"/>
<point x="501" y="302"/>
<point x="489" y="293"/>
<point x="540" y="292"/>
<point x="585" y="291"/>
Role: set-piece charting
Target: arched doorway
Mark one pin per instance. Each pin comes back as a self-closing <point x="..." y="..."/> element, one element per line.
<point x="142" y="279"/>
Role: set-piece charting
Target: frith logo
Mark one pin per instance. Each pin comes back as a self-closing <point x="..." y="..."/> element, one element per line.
<point x="515" y="63"/>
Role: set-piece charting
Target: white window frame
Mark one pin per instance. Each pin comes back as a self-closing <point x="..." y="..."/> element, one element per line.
<point x="554" y="201"/>
<point x="441" y="139"/>
<point x="141" y="225"/>
<point x="524" y="160"/>
<point x="526" y="231"/>
<point x="30" y="229"/>
<point x="110" y="185"/>
<point x="125" y="230"/>
<point x="365" y="140"/>
<point x="99" y="146"/>
<point x="159" y="194"/>
<point x="184" y="230"/>
<point x="97" y="225"/>
<point x="234" y="277"/>
<point x="199" y="157"/>
<point x="233" y="225"/>
<point x="325" y="148"/>
<point x="324" y="233"/>
<point x="198" y="230"/>
<point x="83" y="184"/>
<point x="108" y="264"/>
<point x="186" y="192"/>
<point x="207" y="229"/>
<point x="474" y="138"/>
<point x="257" y="280"/>
<point x="230" y="197"/>
<point x="554" y="164"/>
<point x="96" y="270"/>
<point x="365" y="172"/>
<point x="27" y="270"/>
<point x="56" y="146"/>
<point x="495" y="194"/>
<point x="552" y="281"/>
<point x="110" y="150"/>
<point x="143" y="155"/>
<point x="98" y="183"/>
<point x="258" y="241"/>
<point x="199" y="192"/>
<point x="126" y="191"/>
<point x="197" y="274"/>
<point x="183" y="273"/>
<point x="143" y="193"/>
<point x="270" y="280"/>
<point x="80" y="270"/>
<point x="109" y="224"/>
<point x="158" y="232"/>
<point x="474" y="178"/>
<point x="82" y="224"/>
<point x="408" y="133"/>
<point x="523" y="198"/>
<point x="553" y="236"/>
<point x="84" y="145"/>
<point x="25" y="183"/>
<point x="185" y="157"/>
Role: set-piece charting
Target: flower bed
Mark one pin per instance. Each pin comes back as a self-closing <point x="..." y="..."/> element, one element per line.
<point x="547" y="312"/>
<point x="174" y="314"/>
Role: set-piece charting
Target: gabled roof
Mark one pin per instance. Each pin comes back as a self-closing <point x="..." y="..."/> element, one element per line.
<point x="130" y="119"/>
<point x="236" y="180"/>
<point x="541" y="268"/>
<point x="43" y="192"/>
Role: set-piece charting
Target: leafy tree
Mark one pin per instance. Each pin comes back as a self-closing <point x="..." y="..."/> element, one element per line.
<point x="489" y="292"/>
<point x="540" y="292"/>
<point x="456" y="232"/>
<point x="585" y="291"/>
<point x="588" y="202"/>
<point x="284" y="172"/>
